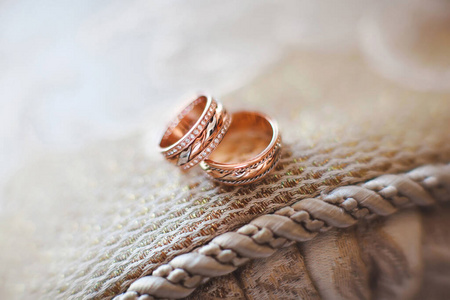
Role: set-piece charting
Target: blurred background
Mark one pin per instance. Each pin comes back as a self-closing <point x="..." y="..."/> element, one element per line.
<point x="76" y="71"/>
<point x="80" y="80"/>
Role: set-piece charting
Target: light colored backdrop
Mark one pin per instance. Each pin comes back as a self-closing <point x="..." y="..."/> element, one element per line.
<point x="74" y="71"/>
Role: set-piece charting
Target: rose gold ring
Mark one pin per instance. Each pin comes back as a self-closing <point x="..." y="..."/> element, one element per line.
<point x="196" y="131"/>
<point x="251" y="148"/>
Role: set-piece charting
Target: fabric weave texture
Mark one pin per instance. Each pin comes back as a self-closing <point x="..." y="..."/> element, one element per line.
<point x="95" y="221"/>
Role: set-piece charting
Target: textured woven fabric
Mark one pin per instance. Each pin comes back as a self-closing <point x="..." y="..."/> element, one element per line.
<point x="300" y="222"/>
<point x="405" y="256"/>
<point x="93" y="222"/>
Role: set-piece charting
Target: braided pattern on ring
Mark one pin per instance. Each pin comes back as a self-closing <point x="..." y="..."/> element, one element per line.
<point x="270" y="159"/>
<point x="176" y="122"/>
<point x="202" y="147"/>
<point x="299" y="222"/>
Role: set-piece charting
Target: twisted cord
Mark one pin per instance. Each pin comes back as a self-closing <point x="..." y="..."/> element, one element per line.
<point x="299" y="222"/>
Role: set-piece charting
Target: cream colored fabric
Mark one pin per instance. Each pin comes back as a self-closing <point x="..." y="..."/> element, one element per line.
<point x="300" y="222"/>
<point x="91" y="223"/>
<point x="405" y="256"/>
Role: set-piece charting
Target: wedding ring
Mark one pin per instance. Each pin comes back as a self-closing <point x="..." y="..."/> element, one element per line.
<point x="251" y="148"/>
<point x="195" y="133"/>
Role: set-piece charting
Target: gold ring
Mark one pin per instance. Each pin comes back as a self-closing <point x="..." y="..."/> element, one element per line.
<point x="251" y="148"/>
<point x="196" y="131"/>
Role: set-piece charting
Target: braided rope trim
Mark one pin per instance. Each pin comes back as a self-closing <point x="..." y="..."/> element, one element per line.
<point x="299" y="222"/>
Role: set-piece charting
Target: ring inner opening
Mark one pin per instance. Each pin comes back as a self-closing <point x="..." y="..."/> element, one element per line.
<point x="249" y="134"/>
<point x="190" y="115"/>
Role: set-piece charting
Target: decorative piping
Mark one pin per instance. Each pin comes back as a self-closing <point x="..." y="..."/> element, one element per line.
<point x="299" y="222"/>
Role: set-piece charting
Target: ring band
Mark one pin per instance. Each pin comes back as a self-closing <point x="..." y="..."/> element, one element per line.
<point x="251" y="148"/>
<point x="196" y="131"/>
